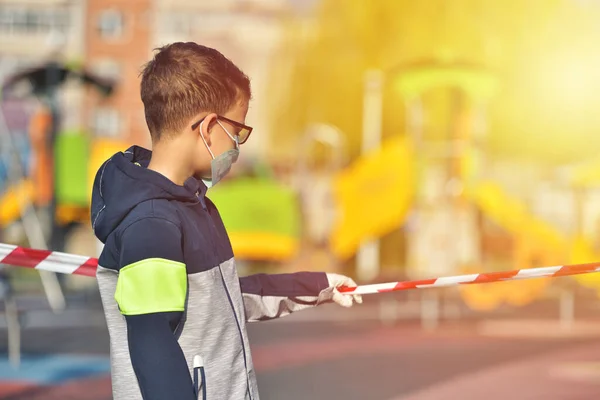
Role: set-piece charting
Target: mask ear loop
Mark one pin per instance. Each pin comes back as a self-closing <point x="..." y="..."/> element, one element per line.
<point x="235" y="139"/>
<point x="204" y="140"/>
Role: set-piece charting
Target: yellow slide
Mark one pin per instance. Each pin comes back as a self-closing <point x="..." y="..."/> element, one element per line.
<point x="12" y="201"/>
<point x="512" y="215"/>
<point x="537" y="244"/>
<point x="373" y="195"/>
<point x="536" y="240"/>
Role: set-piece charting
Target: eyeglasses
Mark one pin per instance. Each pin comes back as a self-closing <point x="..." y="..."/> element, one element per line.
<point x="243" y="131"/>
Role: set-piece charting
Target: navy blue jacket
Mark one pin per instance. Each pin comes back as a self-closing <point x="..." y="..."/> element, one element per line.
<point x="170" y="289"/>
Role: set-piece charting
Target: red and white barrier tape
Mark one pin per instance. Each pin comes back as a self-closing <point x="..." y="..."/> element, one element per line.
<point x="64" y="263"/>
<point x="46" y="260"/>
<point x="543" y="272"/>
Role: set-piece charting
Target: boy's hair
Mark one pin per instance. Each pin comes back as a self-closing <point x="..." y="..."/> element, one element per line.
<point x="184" y="79"/>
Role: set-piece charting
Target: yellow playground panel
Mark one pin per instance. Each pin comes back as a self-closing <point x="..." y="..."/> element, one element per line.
<point x="373" y="196"/>
<point x="24" y="192"/>
<point x="14" y="198"/>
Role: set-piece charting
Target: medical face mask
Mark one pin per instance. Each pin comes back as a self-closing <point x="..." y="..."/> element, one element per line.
<point x="221" y="164"/>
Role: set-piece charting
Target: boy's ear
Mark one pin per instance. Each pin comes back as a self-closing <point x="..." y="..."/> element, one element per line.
<point x="209" y="122"/>
<point x="206" y="127"/>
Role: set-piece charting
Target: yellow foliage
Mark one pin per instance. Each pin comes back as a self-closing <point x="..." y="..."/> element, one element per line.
<point x="543" y="53"/>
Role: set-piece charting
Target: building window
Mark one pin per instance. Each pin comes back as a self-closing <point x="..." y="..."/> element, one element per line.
<point x="188" y="22"/>
<point x="107" y="68"/>
<point x="106" y="122"/>
<point x="176" y="23"/>
<point x="20" y="20"/>
<point x="110" y="24"/>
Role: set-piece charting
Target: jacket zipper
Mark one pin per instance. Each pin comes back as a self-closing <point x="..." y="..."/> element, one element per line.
<point x="199" y="368"/>
<point x="239" y="331"/>
<point x="237" y="322"/>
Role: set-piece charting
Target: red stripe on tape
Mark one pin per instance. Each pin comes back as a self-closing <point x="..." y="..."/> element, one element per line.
<point x="409" y="285"/>
<point x="576" y="269"/>
<point x="88" y="268"/>
<point x="28" y="258"/>
<point x="493" y="277"/>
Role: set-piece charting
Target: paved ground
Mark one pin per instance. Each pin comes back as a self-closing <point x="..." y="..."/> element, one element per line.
<point x="331" y="353"/>
<point x="402" y="362"/>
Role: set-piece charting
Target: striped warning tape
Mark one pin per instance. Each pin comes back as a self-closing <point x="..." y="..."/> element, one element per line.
<point x="46" y="260"/>
<point x="542" y="272"/>
<point x="64" y="263"/>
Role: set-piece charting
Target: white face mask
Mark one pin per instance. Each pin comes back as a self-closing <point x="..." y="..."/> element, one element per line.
<point x="221" y="164"/>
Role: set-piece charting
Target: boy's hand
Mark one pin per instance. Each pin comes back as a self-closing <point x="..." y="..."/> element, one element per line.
<point x="344" y="300"/>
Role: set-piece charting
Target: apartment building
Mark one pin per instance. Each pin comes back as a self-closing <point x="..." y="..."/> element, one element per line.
<point x="114" y="38"/>
<point x="32" y="31"/>
<point x="120" y="36"/>
<point x="117" y="44"/>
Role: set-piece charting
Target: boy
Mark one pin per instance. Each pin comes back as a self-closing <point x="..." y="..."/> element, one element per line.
<point x="174" y="305"/>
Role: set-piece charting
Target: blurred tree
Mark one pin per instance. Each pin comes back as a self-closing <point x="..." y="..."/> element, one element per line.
<point x="543" y="51"/>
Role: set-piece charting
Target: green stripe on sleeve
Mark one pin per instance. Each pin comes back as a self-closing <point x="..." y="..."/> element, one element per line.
<point x="150" y="286"/>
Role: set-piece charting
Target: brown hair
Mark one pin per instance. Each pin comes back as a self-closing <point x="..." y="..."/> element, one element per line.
<point x="184" y="79"/>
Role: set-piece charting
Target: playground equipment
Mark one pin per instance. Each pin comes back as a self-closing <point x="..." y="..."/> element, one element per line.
<point x="374" y="196"/>
<point x="57" y="164"/>
<point x="262" y="218"/>
<point x="322" y="151"/>
<point x="60" y="157"/>
<point x="469" y="83"/>
<point x="396" y="180"/>
<point x="583" y="181"/>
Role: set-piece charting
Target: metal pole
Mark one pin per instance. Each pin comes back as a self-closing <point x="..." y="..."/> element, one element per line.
<point x="567" y="308"/>
<point x="430" y="309"/>
<point x="14" y="331"/>
<point x="56" y="240"/>
<point x="367" y="257"/>
<point x="414" y="128"/>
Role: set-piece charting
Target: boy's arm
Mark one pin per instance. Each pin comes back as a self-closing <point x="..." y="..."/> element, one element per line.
<point x="151" y="293"/>
<point x="273" y="296"/>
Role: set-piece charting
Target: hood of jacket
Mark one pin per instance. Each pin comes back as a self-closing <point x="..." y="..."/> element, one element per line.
<point x="124" y="181"/>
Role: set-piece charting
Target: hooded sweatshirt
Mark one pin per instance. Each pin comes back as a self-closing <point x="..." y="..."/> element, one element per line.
<point x="173" y="301"/>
